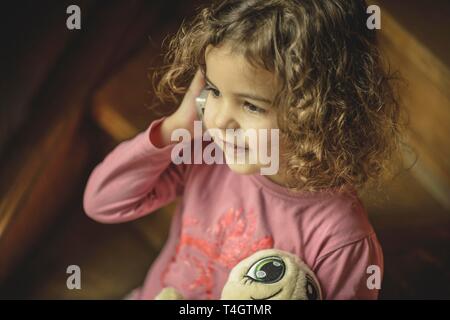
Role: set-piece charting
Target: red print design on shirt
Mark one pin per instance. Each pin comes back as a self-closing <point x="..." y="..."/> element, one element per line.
<point x="226" y="243"/>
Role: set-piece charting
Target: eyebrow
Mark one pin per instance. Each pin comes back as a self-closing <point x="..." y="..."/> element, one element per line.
<point x="242" y="95"/>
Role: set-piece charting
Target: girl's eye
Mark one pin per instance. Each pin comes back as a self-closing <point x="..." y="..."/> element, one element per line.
<point x="215" y="92"/>
<point x="247" y="106"/>
<point x="254" y="109"/>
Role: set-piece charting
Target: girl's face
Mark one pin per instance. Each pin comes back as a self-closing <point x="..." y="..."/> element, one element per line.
<point x="239" y="98"/>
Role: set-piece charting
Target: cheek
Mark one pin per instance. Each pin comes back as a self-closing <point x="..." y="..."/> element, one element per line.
<point x="266" y="134"/>
<point x="208" y="116"/>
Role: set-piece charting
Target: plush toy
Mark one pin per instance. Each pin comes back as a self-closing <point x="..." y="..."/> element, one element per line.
<point x="266" y="274"/>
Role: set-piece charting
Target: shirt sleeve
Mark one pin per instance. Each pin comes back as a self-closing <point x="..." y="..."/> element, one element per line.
<point x="133" y="180"/>
<point x="344" y="273"/>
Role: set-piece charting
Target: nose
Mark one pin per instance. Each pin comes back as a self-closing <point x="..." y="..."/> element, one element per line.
<point x="225" y="117"/>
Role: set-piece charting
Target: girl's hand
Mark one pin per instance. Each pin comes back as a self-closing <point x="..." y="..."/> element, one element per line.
<point x="185" y="115"/>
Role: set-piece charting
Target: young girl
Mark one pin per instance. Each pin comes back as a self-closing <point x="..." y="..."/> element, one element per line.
<point x="309" y="68"/>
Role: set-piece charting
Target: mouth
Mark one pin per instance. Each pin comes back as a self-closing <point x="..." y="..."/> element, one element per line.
<point x="231" y="146"/>
<point x="269" y="297"/>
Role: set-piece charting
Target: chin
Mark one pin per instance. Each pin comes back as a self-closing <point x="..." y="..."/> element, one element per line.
<point x="243" y="168"/>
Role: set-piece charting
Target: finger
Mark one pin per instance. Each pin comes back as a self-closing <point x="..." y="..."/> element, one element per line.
<point x="197" y="84"/>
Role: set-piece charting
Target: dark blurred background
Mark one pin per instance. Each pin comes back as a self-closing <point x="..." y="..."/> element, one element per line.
<point x="67" y="97"/>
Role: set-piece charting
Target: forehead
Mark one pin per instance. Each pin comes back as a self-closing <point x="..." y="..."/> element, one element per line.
<point x="232" y="71"/>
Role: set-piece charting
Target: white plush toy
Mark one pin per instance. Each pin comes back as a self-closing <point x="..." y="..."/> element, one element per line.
<point x="266" y="274"/>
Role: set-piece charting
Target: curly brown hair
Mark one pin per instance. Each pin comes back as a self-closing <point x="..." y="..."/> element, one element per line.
<point x="338" y="113"/>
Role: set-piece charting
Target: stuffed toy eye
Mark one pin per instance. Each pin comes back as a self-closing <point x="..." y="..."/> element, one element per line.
<point x="267" y="270"/>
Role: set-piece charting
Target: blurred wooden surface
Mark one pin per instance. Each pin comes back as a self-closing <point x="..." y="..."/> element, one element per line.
<point x="43" y="162"/>
<point x="414" y="37"/>
<point x="51" y="155"/>
<point x="73" y="238"/>
<point x="427" y="22"/>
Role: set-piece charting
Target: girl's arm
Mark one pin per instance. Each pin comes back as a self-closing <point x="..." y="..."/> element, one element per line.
<point x="351" y="272"/>
<point x="136" y="178"/>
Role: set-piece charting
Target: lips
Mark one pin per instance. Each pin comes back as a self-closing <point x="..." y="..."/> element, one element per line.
<point x="232" y="145"/>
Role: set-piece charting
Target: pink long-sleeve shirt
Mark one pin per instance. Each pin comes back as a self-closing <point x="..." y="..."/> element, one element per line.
<point x="224" y="217"/>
